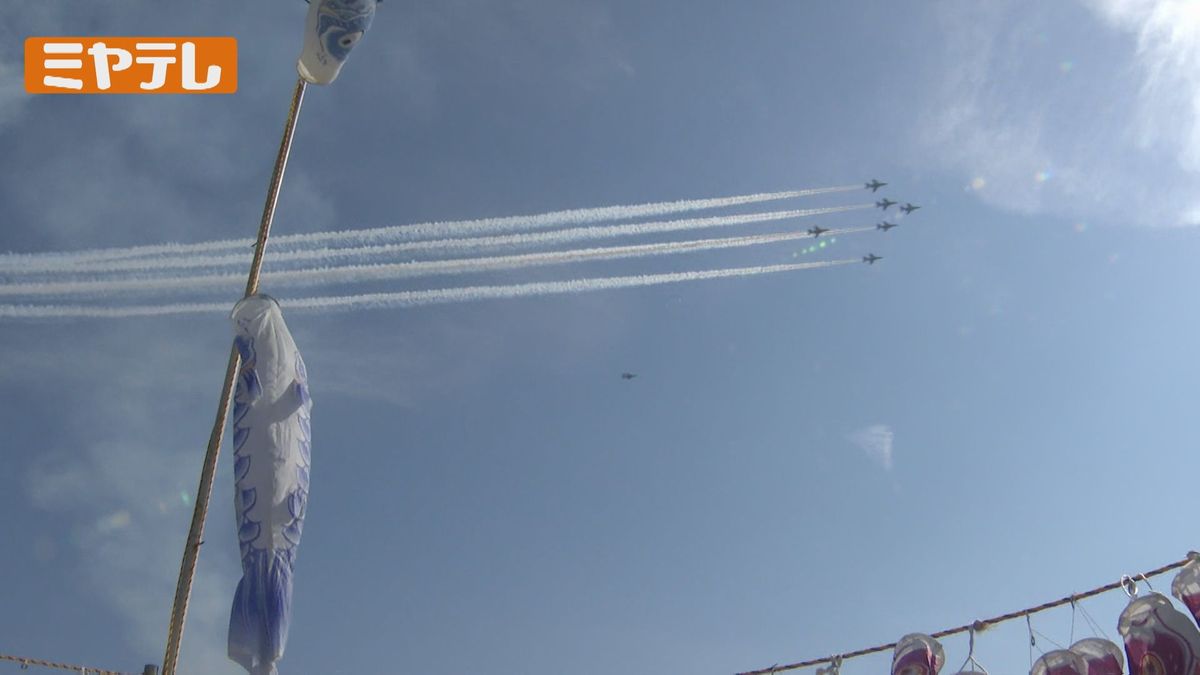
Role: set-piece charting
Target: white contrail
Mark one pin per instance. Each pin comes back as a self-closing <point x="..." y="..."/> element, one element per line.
<point x="384" y="272"/>
<point x="329" y="255"/>
<point x="410" y="298"/>
<point x="12" y="261"/>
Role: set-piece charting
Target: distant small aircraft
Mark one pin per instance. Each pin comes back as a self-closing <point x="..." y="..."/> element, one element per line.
<point x="817" y="231"/>
<point x="885" y="203"/>
<point x="885" y="226"/>
<point x="908" y="208"/>
<point x="628" y="376"/>
<point x="870" y="258"/>
<point x="874" y="185"/>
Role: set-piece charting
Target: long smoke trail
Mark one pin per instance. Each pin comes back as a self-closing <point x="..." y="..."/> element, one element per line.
<point x="404" y="299"/>
<point x="330" y="255"/>
<point x="381" y="272"/>
<point x="445" y="229"/>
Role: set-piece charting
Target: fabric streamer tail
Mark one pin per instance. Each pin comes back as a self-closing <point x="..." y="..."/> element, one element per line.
<point x="256" y="641"/>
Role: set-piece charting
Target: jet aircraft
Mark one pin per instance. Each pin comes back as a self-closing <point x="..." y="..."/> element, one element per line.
<point x="874" y="185"/>
<point x="908" y="208"/>
<point x="817" y="231"/>
<point x="628" y="376"/>
<point x="885" y="226"/>
<point x="870" y="258"/>
<point x="885" y="203"/>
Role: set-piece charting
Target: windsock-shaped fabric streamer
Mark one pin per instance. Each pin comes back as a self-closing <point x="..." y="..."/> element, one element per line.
<point x="271" y="443"/>
<point x="1102" y="657"/>
<point x="917" y="654"/>
<point x="1186" y="586"/>
<point x="1159" y="639"/>
<point x="331" y="30"/>
<point x="1060" y="662"/>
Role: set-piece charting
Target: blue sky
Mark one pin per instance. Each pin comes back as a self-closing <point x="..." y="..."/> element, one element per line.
<point x="997" y="414"/>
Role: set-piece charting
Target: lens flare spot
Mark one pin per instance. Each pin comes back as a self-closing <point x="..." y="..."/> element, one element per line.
<point x="1043" y="175"/>
<point x="1080" y="227"/>
<point x="185" y="498"/>
<point x="113" y="522"/>
<point x="1066" y="67"/>
<point x="822" y="244"/>
<point x="978" y="183"/>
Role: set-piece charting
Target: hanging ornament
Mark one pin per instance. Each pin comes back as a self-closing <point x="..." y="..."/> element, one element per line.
<point x="917" y="654"/>
<point x="1060" y="662"/>
<point x="1159" y="639"/>
<point x="1186" y="586"/>
<point x="1102" y="656"/>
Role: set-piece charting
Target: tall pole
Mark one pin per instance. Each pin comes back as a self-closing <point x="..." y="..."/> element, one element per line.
<point x="191" y="549"/>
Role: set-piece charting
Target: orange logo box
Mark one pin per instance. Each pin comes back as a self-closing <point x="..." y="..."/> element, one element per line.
<point x="131" y="65"/>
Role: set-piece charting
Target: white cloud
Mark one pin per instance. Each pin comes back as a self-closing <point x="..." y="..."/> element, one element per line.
<point x="1168" y="55"/>
<point x="162" y="168"/>
<point x="116" y="471"/>
<point x="107" y="170"/>
<point x="1042" y="112"/>
<point x="115" y="477"/>
<point x="18" y="21"/>
<point x="130" y="556"/>
<point x="421" y="355"/>
<point x="876" y="441"/>
<point x="12" y="92"/>
<point x="116" y="483"/>
<point x="571" y="44"/>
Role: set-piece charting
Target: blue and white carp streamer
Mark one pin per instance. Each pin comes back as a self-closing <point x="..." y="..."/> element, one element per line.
<point x="331" y="30"/>
<point x="271" y="444"/>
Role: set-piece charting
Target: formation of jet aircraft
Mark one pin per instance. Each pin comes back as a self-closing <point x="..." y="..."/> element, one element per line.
<point x="884" y="204"/>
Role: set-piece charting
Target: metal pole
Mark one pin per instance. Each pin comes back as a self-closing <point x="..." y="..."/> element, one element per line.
<point x="150" y="670"/>
<point x="191" y="550"/>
